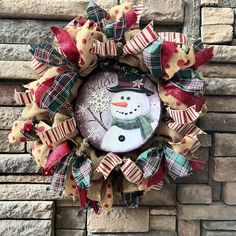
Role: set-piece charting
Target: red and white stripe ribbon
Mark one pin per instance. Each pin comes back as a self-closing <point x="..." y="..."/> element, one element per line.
<point x="23" y="98"/>
<point x="39" y="68"/>
<point x="141" y="40"/>
<point x="59" y="132"/>
<point x="108" y="163"/>
<point x="108" y="48"/>
<point x="190" y="129"/>
<point x="186" y="116"/>
<point x="129" y="169"/>
<point x="132" y="172"/>
<point x="138" y="9"/>
<point x="176" y="37"/>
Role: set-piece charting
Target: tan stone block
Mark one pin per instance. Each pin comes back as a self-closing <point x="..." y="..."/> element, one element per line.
<point x="17" y="70"/>
<point x="209" y="2"/>
<point x="220" y="86"/>
<point x="70" y="232"/>
<point x="119" y="220"/>
<point x="229" y="193"/>
<point x="26" y="192"/>
<point x="167" y="223"/>
<point x="47" y="9"/>
<point x="187" y="228"/>
<point x="218" y="122"/>
<point x="166" y="196"/>
<point x="217" y="233"/>
<point x="215" y="211"/>
<point x="217" y="16"/>
<point x="219" y="225"/>
<point x="26" y="227"/>
<point x="224" y="53"/>
<point x="165" y="12"/>
<point x="8" y="115"/>
<point x="70" y="218"/>
<point x="222" y="169"/>
<point x="221" y="104"/>
<point x="216" y="33"/>
<point x="7" y="147"/>
<point x="163" y="211"/>
<point x="224" y="145"/>
<point x="194" y="193"/>
<point x="218" y="70"/>
<point x="26" y="209"/>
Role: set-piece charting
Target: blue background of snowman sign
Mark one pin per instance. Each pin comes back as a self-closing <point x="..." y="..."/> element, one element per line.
<point x="118" y="110"/>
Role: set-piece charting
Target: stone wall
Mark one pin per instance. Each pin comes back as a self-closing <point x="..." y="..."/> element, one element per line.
<point x="202" y="204"/>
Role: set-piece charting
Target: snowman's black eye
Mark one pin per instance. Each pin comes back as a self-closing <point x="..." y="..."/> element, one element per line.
<point x="128" y="98"/>
<point x="122" y="97"/>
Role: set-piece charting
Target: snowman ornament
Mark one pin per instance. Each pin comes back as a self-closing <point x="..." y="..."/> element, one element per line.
<point x="135" y="114"/>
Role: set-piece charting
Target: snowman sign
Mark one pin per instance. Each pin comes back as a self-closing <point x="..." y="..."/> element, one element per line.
<point x="118" y="111"/>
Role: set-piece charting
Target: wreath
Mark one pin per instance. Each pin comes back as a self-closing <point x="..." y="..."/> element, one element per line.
<point x="113" y="107"/>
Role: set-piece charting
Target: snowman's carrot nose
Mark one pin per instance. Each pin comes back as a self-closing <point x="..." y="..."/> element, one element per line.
<point x="120" y="104"/>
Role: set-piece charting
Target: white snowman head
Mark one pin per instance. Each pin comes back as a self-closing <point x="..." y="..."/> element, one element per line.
<point x="129" y="105"/>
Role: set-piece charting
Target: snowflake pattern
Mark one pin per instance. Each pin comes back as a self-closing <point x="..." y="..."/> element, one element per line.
<point x="81" y="110"/>
<point x="99" y="101"/>
<point x="93" y="133"/>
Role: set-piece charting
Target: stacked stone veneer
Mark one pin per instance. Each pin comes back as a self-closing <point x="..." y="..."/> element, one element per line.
<point x="202" y="204"/>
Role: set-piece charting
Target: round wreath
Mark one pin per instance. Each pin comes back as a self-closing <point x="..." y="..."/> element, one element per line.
<point x="112" y="41"/>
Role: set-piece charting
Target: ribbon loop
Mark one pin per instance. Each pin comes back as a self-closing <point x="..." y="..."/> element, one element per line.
<point x="23" y="98"/>
<point x="108" y="48"/>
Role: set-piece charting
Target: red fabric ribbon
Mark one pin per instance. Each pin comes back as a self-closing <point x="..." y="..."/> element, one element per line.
<point x="203" y="57"/>
<point x="67" y="44"/>
<point x="197" y="165"/>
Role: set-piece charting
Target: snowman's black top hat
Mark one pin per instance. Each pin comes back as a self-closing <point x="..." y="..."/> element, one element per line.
<point x="130" y="79"/>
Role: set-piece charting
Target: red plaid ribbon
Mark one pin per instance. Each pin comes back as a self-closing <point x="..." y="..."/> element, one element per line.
<point x="141" y="40"/>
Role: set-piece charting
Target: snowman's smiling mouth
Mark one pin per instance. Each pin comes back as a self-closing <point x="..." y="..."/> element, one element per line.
<point x="130" y="112"/>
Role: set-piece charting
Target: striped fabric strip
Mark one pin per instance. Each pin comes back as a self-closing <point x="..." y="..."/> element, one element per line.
<point x="59" y="132"/>
<point x="109" y="162"/>
<point x="107" y="48"/>
<point x="141" y="40"/>
<point x="186" y="116"/>
<point x="176" y="37"/>
<point x="156" y="187"/>
<point x="132" y="172"/>
<point x="23" y="98"/>
<point x="138" y="9"/>
<point x="190" y="129"/>
<point x="39" y="67"/>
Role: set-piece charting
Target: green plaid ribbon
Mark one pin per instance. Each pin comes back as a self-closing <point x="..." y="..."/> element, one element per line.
<point x="116" y="29"/>
<point x="48" y="55"/>
<point x="58" y="94"/>
<point x="177" y="164"/>
<point x="152" y="58"/>
<point x="59" y="176"/>
<point x="188" y="80"/>
<point x="95" y="12"/>
<point x="149" y="161"/>
<point x="131" y="200"/>
<point x="198" y="45"/>
<point x="142" y="122"/>
<point x="82" y="171"/>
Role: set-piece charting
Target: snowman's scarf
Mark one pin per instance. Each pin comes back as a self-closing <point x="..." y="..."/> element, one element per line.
<point x="142" y="122"/>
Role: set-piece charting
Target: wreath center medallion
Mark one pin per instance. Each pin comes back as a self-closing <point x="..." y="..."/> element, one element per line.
<point x="117" y="111"/>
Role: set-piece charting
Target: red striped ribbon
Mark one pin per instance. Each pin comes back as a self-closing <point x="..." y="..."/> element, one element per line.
<point x="108" y="48"/>
<point x="23" y="98"/>
<point x="176" y="37"/>
<point x="38" y="67"/>
<point x="141" y="40"/>
<point x="59" y="132"/>
<point x="129" y="169"/>
<point x="186" y="116"/>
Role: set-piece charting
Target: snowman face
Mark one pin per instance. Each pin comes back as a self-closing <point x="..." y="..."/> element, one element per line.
<point x="129" y="105"/>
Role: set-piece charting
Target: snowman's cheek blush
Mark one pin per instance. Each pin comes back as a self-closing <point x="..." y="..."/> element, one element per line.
<point x="111" y="128"/>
